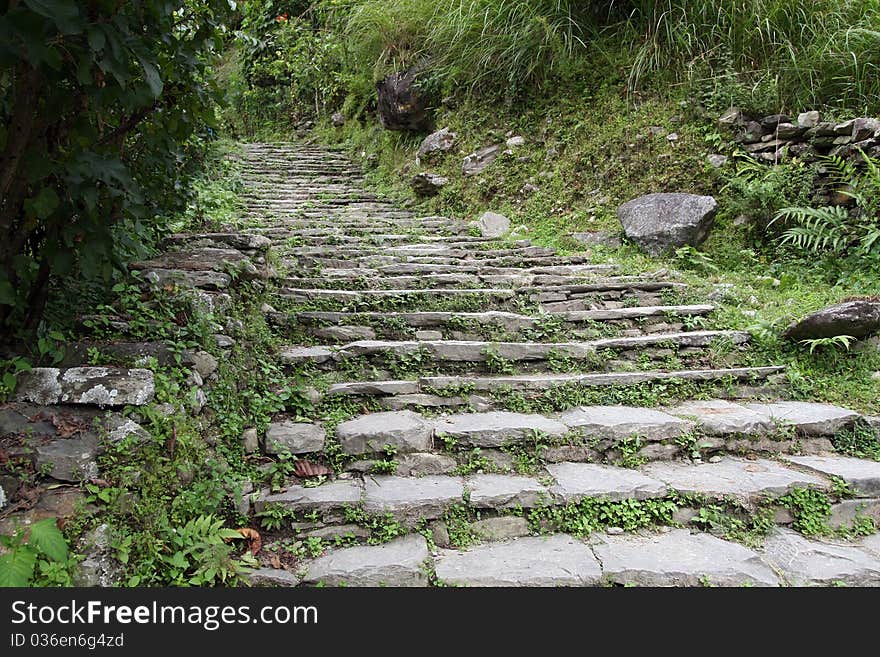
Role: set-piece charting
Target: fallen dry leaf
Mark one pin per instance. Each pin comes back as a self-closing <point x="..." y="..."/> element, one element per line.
<point x="275" y="561"/>
<point x="308" y="469"/>
<point x="253" y="539"/>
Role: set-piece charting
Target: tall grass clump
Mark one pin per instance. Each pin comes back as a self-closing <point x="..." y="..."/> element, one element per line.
<point x="806" y="54"/>
<point x="479" y="45"/>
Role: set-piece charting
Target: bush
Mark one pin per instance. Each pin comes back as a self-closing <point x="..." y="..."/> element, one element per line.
<point x="97" y="108"/>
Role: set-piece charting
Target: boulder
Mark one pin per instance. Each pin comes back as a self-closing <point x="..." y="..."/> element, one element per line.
<point x="661" y="221"/>
<point x="492" y="224"/>
<point x="437" y="142"/>
<point x="428" y="184"/>
<point x="337" y="120"/>
<point x="401" y="106"/>
<point x="859" y="318"/>
<point x="477" y="161"/>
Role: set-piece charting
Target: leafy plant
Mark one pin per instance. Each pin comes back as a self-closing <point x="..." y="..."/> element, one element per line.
<point x="836" y="228"/>
<point x="36" y="555"/>
<point x="831" y="343"/>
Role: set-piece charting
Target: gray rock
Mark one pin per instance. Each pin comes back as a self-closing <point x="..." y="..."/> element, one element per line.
<point x="808" y="119"/>
<point x="428" y="184"/>
<point x="477" y="161"/>
<point x="575" y="481"/>
<point x="740" y="478"/>
<point x="69" y="459"/>
<point x="501" y="528"/>
<point x="429" y="335"/>
<point x="618" y="422"/>
<point x="557" y="560"/>
<point x="3" y="500"/>
<point x="294" y="438"/>
<point x="345" y="333"/>
<point x="498" y="491"/>
<point x="412" y="498"/>
<point x="326" y="497"/>
<point x="717" y="160"/>
<point x="679" y="558"/>
<point x="787" y="131"/>
<point x="721" y="418"/>
<point x="99" y="568"/>
<point x="418" y="465"/>
<point x="203" y="363"/>
<point x="806" y="562"/>
<point x="845" y="513"/>
<point x="871" y="544"/>
<point x="97" y="386"/>
<point x="770" y="122"/>
<point x="493" y="225"/>
<point x="516" y="141"/>
<point x="440" y="141"/>
<point x="809" y="418"/>
<point x="661" y="221"/>
<point x="334" y="531"/>
<point x="273" y="577"/>
<point x="337" y="119"/>
<point x="295" y="355"/>
<point x="856" y="318"/>
<point x="496" y="428"/>
<point x="731" y="118"/>
<point x="404" y="430"/>
<point x="397" y="563"/>
<point x="862" y="475"/>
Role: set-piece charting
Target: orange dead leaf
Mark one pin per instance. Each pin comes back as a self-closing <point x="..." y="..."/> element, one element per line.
<point x="308" y="469"/>
<point x="253" y="539"/>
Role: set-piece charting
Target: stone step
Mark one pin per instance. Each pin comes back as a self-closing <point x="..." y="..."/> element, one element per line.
<point x="349" y="326"/>
<point x="676" y="557"/>
<point x="360" y="279"/>
<point x="464" y="351"/>
<point x="423" y="392"/>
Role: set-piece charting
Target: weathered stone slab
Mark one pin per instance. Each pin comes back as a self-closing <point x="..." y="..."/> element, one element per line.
<point x="374" y="388"/>
<point x="498" y="491"/>
<point x="808" y="418"/>
<point x="98" y="386"/>
<point x="746" y="480"/>
<point x="862" y="475"/>
<point x="273" y="577"/>
<point x="845" y="513"/>
<point x="575" y="481"/>
<point x="294" y="437"/>
<point x="71" y="459"/>
<point x="397" y="563"/>
<point x="532" y="561"/>
<point x="618" y="422"/>
<point x="412" y="498"/>
<point x="722" y="418"/>
<point x="404" y="430"/>
<point x="806" y="562"/>
<point x="420" y="464"/>
<point x="679" y="558"/>
<point x="496" y="428"/>
<point x="326" y="497"/>
<point x="294" y="355"/>
<point x="501" y="528"/>
<point x="858" y="318"/>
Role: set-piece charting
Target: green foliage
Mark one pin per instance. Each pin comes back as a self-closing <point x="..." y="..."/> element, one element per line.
<point x="36" y="556"/>
<point x="764" y="53"/>
<point x="832" y="343"/>
<point x="861" y="441"/>
<point x="275" y="516"/>
<point x="382" y="527"/>
<point x="592" y="514"/>
<point x="198" y="553"/>
<point x="98" y="106"/>
<point x="836" y="228"/>
<point x="811" y="510"/>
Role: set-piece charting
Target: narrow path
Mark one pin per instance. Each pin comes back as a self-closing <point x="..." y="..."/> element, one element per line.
<point x="493" y="377"/>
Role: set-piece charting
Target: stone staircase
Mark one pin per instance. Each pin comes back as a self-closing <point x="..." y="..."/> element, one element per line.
<point x="490" y="375"/>
<point x="498" y="414"/>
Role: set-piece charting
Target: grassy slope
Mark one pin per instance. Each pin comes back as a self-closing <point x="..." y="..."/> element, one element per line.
<point x="606" y="155"/>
